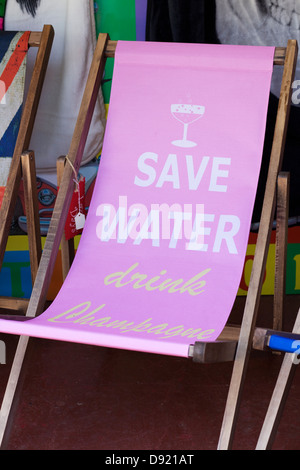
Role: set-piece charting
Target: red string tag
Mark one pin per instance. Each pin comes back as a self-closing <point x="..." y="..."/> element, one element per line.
<point x="76" y="216"/>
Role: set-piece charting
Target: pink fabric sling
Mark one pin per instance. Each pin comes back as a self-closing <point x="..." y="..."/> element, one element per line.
<point x="162" y="252"/>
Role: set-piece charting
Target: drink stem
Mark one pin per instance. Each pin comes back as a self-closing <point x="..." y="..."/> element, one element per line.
<point x="185" y="128"/>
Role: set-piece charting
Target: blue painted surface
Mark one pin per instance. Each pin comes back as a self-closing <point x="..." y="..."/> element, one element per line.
<point x="288" y="345"/>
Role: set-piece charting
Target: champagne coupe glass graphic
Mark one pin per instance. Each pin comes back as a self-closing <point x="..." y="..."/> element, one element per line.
<point x="186" y="114"/>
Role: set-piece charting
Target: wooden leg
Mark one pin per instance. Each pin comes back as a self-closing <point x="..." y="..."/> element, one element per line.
<point x="281" y="248"/>
<point x="12" y="385"/>
<point x="279" y="397"/>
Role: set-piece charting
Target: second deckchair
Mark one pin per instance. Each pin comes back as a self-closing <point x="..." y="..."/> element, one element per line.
<point x="22" y="161"/>
<point x="150" y="298"/>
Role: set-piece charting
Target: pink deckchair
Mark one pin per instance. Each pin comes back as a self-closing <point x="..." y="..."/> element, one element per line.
<point x="162" y="252"/>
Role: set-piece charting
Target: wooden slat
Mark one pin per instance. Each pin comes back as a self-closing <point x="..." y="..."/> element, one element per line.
<point x="35" y="38"/>
<point x="10" y="197"/>
<point x="279" y="55"/>
<point x="32" y="211"/>
<point x="214" y="352"/>
<point x="282" y="216"/>
<point x="16" y="304"/>
<point x="67" y="248"/>
<point x="260" y="258"/>
<point x="230" y="333"/>
<point x="224" y="348"/>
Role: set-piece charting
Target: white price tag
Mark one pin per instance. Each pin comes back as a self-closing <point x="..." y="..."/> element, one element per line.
<point x="79" y="221"/>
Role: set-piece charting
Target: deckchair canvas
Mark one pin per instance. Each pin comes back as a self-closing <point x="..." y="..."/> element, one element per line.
<point x="128" y="268"/>
<point x="175" y="231"/>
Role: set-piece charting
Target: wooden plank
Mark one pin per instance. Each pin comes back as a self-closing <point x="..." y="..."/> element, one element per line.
<point x="16" y="304"/>
<point x="32" y="211"/>
<point x="261" y="252"/>
<point x="110" y="49"/>
<point x="281" y="248"/>
<point x="67" y="248"/>
<point x="14" y="317"/>
<point x="214" y="352"/>
<point x="224" y="348"/>
<point x="279" y="55"/>
<point x="35" y="38"/>
<point x="230" y="333"/>
<point x="279" y="398"/>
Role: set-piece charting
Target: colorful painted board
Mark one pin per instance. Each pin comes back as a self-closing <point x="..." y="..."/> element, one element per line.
<point x="13" y="52"/>
<point x="2" y="13"/>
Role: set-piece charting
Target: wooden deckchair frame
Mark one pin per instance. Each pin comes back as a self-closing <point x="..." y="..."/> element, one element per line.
<point x="259" y="263"/>
<point x="234" y="344"/>
<point x="23" y="165"/>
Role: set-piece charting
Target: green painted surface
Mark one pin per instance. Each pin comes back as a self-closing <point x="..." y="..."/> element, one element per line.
<point x="118" y="19"/>
<point x="2" y="7"/>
